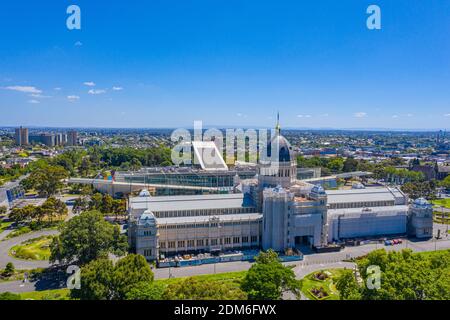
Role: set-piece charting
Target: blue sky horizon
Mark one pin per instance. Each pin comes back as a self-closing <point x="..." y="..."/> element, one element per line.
<point x="163" y="63"/>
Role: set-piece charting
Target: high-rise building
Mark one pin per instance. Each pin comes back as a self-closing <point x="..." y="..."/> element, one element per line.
<point x="72" y="138"/>
<point x="47" y="139"/>
<point x="21" y="136"/>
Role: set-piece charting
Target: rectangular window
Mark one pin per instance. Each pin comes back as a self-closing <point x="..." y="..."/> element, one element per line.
<point x="181" y="244"/>
<point x="245" y="239"/>
<point x="200" y="243"/>
<point x="191" y="243"/>
<point x="171" y="244"/>
<point x="162" y="245"/>
<point x="236" y="240"/>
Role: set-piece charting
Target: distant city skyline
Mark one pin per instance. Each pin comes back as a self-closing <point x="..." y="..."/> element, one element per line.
<point x="229" y="64"/>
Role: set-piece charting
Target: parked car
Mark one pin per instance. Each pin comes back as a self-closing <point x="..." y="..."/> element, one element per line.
<point x="387" y="243"/>
<point x="395" y="241"/>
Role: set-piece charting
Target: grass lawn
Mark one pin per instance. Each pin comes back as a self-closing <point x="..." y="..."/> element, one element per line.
<point x="27" y="229"/>
<point x="437" y="217"/>
<point x="19" y="274"/>
<point x="33" y="249"/>
<point x="431" y="253"/>
<point x="4" y="225"/>
<point x="64" y="294"/>
<point x="231" y="277"/>
<point x="56" y="294"/>
<point x="442" y="202"/>
<point x="309" y="282"/>
<point x="18" y="232"/>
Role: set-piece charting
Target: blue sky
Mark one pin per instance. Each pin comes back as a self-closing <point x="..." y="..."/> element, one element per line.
<point x="167" y="63"/>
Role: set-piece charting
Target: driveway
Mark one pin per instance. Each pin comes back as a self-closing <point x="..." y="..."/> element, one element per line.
<point x="18" y="263"/>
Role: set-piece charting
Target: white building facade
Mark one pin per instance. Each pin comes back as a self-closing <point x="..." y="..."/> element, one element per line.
<point x="274" y="211"/>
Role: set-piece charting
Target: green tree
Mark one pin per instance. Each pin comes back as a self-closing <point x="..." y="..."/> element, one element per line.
<point x="446" y="182"/>
<point x="95" y="281"/>
<point x="404" y="276"/>
<point x="26" y="213"/>
<point x="119" y="207"/>
<point x="9" y="269"/>
<point x="96" y="202"/>
<point x="85" y="238"/>
<point x="347" y="286"/>
<point x="425" y="189"/>
<point x="146" y="291"/>
<point x="195" y="289"/>
<point x="135" y="164"/>
<point x="107" y="204"/>
<point x="350" y="164"/>
<point x="85" y="167"/>
<point x="10" y="296"/>
<point x="267" y="279"/>
<point x="102" y="280"/>
<point x="336" y="165"/>
<point x="53" y="207"/>
<point x="3" y="210"/>
<point x="81" y="204"/>
<point x="48" y="180"/>
<point x="128" y="272"/>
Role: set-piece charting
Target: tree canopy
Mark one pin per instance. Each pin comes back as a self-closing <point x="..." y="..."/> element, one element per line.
<point x="404" y="276"/>
<point x="196" y="289"/>
<point x="267" y="279"/>
<point x="146" y="291"/>
<point x="51" y="208"/>
<point x="87" y="237"/>
<point x="102" y="280"/>
<point x="47" y="180"/>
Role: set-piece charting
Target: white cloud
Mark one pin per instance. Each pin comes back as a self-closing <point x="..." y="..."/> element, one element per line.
<point x="33" y="101"/>
<point x="38" y="95"/>
<point x="447" y="115"/>
<point x="117" y="88"/>
<point x="78" y="44"/>
<point x="26" y="89"/>
<point x="324" y="115"/>
<point x="360" y="115"/>
<point x="304" y="116"/>
<point x="96" y="91"/>
<point x="89" y="83"/>
<point x="57" y="89"/>
<point x="394" y="116"/>
<point x="73" y="98"/>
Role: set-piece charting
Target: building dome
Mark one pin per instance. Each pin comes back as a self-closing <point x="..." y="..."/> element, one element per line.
<point x="147" y="219"/>
<point x="284" y="148"/>
<point x="421" y="202"/>
<point x="318" y="189"/>
<point x="144" y="193"/>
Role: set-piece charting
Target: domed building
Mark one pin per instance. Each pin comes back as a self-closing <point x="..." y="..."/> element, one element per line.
<point x="278" y="163"/>
<point x="271" y="210"/>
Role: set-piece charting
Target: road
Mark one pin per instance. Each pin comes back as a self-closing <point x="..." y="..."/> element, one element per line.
<point x="311" y="262"/>
<point x="5" y="245"/>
